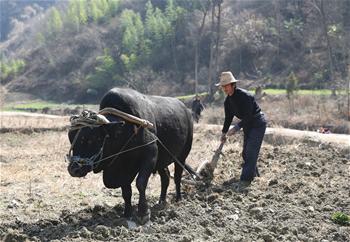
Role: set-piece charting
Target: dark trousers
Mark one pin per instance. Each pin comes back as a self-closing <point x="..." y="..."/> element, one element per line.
<point x="253" y="137"/>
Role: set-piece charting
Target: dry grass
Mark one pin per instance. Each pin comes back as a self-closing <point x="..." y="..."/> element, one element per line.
<point x="14" y="120"/>
<point x="310" y="113"/>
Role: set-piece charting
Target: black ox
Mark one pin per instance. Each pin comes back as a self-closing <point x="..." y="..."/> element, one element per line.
<point x="172" y="125"/>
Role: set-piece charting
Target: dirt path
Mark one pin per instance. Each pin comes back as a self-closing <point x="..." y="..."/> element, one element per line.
<point x="301" y="186"/>
<point x="34" y="115"/>
<point x="336" y="139"/>
<point x="8" y="120"/>
<point x="283" y="135"/>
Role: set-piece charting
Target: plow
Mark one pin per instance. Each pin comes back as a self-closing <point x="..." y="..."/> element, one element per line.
<point x="205" y="171"/>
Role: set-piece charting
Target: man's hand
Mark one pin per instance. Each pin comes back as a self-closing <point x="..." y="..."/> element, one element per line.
<point x="223" y="138"/>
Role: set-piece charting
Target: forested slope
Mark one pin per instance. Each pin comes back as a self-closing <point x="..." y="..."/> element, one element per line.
<point x="76" y="50"/>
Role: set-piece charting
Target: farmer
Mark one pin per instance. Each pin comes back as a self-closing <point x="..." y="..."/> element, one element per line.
<point x="197" y="108"/>
<point x="241" y="104"/>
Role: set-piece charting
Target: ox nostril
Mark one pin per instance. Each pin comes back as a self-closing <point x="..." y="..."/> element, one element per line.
<point x="73" y="171"/>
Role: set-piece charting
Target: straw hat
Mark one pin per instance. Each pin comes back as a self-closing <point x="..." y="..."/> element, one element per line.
<point x="226" y="77"/>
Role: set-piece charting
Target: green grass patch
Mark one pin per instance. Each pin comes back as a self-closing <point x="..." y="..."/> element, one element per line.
<point x="341" y="218"/>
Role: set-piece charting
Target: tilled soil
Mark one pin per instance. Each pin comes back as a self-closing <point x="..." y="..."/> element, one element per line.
<point x="301" y="186"/>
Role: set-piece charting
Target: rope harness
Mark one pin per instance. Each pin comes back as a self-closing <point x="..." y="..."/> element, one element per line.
<point x="92" y="120"/>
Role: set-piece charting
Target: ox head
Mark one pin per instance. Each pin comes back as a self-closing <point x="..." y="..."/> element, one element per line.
<point x="89" y="145"/>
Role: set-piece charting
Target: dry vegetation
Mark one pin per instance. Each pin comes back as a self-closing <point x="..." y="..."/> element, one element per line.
<point x="310" y="113"/>
<point x="302" y="185"/>
<point x="31" y="122"/>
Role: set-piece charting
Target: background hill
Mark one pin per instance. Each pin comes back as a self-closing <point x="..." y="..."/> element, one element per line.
<point x="76" y="50"/>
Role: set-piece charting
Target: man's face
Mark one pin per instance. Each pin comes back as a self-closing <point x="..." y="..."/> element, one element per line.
<point x="228" y="89"/>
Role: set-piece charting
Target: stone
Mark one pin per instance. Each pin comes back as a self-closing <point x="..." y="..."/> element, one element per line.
<point x="267" y="237"/>
<point x="273" y="182"/>
<point x="14" y="204"/>
<point x="209" y="231"/>
<point x="311" y="208"/>
<point x="212" y="197"/>
<point x="102" y="230"/>
<point x="327" y="208"/>
<point x="258" y="229"/>
<point x="256" y="210"/>
<point x="233" y="217"/>
<point x="85" y="233"/>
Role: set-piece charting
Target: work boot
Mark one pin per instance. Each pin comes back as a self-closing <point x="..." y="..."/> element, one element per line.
<point x="241" y="186"/>
<point x="230" y="182"/>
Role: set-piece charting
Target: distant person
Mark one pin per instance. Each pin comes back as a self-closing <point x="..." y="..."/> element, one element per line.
<point x="323" y="130"/>
<point x="241" y="104"/>
<point x="197" y="108"/>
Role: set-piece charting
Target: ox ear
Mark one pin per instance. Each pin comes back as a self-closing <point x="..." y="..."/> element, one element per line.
<point x="114" y="128"/>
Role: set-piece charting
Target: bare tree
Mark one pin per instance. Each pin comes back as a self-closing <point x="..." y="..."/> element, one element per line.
<point x="212" y="38"/>
<point x="346" y="48"/>
<point x="319" y="6"/>
<point x="218" y="29"/>
<point x="205" y="9"/>
<point x="214" y="42"/>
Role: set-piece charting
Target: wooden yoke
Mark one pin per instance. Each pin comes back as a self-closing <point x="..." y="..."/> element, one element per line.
<point x="128" y="117"/>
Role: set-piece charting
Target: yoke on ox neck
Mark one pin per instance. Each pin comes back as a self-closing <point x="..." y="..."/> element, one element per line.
<point x="92" y="119"/>
<point x="128" y="117"/>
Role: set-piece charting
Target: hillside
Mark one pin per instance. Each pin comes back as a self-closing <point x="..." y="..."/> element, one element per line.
<point x="76" y="50"/>
<point x="16" y="13"/>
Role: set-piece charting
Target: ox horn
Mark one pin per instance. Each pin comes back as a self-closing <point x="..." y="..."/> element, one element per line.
<point x="128" y="117"/>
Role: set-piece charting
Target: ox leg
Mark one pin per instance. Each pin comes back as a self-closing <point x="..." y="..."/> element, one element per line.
<point x="145" y="172"/>
<point x="177" y="179"/>
<point x="126" y="193"/>
<point x="164" y="179"/>
<point x="143" y="213"/>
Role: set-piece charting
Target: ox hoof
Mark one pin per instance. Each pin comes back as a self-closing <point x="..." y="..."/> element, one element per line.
<point x="144" y="219"/>
<point x="161" y="205"/>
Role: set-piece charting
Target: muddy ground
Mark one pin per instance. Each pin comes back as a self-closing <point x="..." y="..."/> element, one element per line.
<point x="301" y="185"/>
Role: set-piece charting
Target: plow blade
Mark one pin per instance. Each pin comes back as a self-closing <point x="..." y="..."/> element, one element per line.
<point x="206" y="169"/>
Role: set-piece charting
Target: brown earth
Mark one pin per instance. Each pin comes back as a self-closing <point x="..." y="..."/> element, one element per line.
<point x="303" y="182"/>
